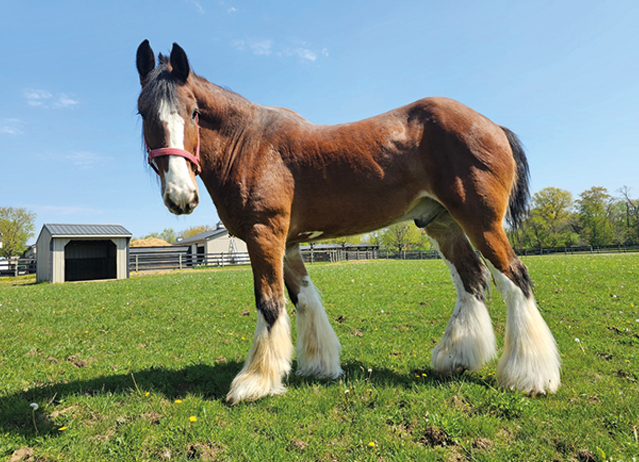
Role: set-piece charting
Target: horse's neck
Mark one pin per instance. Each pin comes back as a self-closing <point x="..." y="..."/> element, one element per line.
<point x="227" y="115"/>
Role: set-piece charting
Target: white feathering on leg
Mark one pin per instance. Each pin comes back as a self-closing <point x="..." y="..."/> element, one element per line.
<point x="530" y="361"/>
<point x="268" y="361"/>
<point x="469" y="340"/>
<point x="318" y="347"/>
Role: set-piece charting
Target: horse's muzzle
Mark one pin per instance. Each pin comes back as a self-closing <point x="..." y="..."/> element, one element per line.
<point x="182" y="207"/>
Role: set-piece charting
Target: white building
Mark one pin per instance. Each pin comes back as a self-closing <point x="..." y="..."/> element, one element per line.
<point x="82" y="252"/>
<point x="216" y="247"/>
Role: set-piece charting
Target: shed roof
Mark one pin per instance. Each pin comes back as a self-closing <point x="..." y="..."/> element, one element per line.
<point x="67" y="230"/>
<point x="206" y="235"/>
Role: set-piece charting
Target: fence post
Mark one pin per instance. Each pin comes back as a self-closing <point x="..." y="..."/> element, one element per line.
<point x="180" y="260"/>
<point x="136" y="264"/>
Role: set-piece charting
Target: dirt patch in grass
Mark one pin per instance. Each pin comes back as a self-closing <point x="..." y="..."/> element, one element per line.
<point x="433" y="436"/>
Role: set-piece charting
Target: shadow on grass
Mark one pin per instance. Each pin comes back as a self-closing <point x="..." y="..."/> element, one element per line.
<point x="357" y="371"/>
<point x="211" y="382"/>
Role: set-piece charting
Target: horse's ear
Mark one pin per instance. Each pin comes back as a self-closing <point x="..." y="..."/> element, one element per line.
<point x="179" y="63"/>
<point x="145" y="60"/>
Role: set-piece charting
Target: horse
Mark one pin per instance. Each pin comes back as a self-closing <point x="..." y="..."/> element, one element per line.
<point x="278" y="180"/>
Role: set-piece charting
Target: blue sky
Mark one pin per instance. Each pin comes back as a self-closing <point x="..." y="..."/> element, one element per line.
<point x="563" y="75"/>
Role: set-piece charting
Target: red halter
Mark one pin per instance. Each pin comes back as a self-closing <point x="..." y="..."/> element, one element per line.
<point x="161" y="152"/>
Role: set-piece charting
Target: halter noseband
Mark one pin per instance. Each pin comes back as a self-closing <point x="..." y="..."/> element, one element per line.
<point x="161" y="152"/>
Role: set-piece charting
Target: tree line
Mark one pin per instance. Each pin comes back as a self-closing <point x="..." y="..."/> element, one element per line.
<point x="556" y="219"/>
<point x="595" y="218"/>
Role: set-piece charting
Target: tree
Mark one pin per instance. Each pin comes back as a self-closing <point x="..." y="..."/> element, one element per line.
<point x="167" y="235"/>
<point x="193" y="230"/>
<point x="595" y="210"/>
<point x="401" y="237"/>
<point x="357" y="239"/>
<point x="16" y="227"/>
<point x="631" y="216"/>
<point x="550" y="219"/>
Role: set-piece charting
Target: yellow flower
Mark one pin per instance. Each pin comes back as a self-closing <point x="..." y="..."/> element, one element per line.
<point x="193" y="418"/>
<point x="147" y="393"/>
<point x="178" y="401"/>
<point x="372" y="444"/>
<point x="62" y="429"/>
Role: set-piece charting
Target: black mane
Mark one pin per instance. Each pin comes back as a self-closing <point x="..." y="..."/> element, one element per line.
<point x="159" y="85"/>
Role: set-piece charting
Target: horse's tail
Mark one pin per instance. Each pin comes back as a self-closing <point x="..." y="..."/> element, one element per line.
<point x="520" y="191"/>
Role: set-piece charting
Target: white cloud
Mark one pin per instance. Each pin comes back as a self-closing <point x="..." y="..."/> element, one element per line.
<point x="64" y="101"/>
<point x="257" y="47"/>
<point x="303" y="53"/>
<point x="36" y="97"/>
<point x="268" y="47"/>
<point x="197" y="6"/>
<point x="86" y="160"/>
<point x="46" y="100"/>
<point x="231" y="10"/>
<point x="11" y="126"/>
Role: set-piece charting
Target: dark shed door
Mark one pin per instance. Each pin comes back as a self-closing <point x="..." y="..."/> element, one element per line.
<point x="88" y="260"/>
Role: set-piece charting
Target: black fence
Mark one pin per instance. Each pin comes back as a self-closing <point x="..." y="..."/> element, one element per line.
<point x="15" y="267"/>
<point x="584" y="249"/>
<point x="180" y="257"/>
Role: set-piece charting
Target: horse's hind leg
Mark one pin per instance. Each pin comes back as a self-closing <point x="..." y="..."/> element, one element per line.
<point x="468" y="341"/>
<point x="530" y="361"/>
<point x="317" y="345"/>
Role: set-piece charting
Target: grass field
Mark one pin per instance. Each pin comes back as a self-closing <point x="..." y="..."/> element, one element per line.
<point x="137" y="370"/>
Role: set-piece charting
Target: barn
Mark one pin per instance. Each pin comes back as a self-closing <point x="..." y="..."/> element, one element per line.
<point x="67" y="252"/>
<point x="216" y="245"/>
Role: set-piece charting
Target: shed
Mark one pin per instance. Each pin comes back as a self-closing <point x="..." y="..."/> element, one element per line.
<point x="211" y="246"/>
<point x="68" y="252"/>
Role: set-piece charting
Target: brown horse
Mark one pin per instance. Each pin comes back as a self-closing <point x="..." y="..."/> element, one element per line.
<point x="278" y="180"/>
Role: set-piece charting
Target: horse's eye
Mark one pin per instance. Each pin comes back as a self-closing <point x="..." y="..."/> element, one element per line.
<point x="142" y="115"/>
<point x="195" y="113"/>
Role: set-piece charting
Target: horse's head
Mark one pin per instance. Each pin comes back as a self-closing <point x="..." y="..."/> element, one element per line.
<point x="170" y="125"/>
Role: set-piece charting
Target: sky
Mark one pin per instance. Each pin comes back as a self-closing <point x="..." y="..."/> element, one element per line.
<point x="563" y="75"/>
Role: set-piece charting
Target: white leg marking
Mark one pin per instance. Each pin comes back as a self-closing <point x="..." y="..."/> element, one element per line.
<point x="268" y="361"/>
<point x="317" y="345"/>
<point x="469" y="340"/>
<point x="530" y="361"/>
<point x="178" y="186"/>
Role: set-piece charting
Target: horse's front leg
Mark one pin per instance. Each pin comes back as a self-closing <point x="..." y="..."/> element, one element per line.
<point x="269" y="358"/>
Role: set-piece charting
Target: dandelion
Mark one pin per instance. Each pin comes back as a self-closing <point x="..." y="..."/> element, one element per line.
<point x="178" y="401"/>
<point x="372" y="444"/>
<point x="35" y="407"/>
<point x="193" y="418"/>
<point x="147" y="393"/>
<point x="346" y="391"/>
<point x="61" y="429"/>
<point x="580" y="345"/>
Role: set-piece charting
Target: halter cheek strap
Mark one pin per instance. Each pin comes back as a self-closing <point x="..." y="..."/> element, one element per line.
<point x="161" y="152"/>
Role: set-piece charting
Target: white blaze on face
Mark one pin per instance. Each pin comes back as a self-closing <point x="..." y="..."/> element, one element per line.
<point x="178" y="188"/>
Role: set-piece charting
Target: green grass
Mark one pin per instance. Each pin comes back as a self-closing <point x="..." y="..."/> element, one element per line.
<point x="118" y="368"/>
